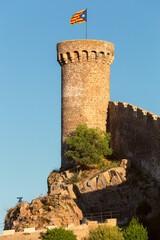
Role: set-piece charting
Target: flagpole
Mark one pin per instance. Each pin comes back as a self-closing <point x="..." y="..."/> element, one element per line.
<point x="86" y="24"/>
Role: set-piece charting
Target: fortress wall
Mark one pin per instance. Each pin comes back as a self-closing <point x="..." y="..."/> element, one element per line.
<point x="135" y="134"/>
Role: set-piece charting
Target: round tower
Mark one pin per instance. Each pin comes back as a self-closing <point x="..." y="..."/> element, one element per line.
<point x="85" y="66"/>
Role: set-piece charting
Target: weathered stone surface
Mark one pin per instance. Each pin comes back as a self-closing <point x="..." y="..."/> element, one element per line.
<point x="103" y="180"/>
<point x="91" y="184"/>
<point x="92" y="224"/>
<point x="57" y="211"/>
<point x="119" y="173"/>
<point x="117" y="189"/>
<point x="68" y="174"/>
<point x="110" y="177"/>
<point x="71" y="191"/>
<point x="85" y="84"/>
<point x="111" y="222"/>
<point x="135" y="135"/>
<point x="8" y="232"/>
<point x="57" y="181"/>
<point x="29" y="230"/>
<point x="125" y="163"/>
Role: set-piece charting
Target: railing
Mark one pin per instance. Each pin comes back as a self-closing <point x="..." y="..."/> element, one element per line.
<point x="102" y="216"/>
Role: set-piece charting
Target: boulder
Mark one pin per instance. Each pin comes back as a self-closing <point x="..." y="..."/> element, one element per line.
<point x="125" y="163"/>
<point x="54" y="210"/>
<point x="103" y="180"/>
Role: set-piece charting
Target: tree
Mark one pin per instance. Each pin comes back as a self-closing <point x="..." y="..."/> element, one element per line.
<point x="88" y="146"/>
<point x="135" y="231"/>
<point x="103" y="232"/>
<point x="58" y="234"/>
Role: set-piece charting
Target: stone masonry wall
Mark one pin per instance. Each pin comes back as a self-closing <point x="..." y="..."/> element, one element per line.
<point x="135" y="134"/>
<point x="85" y="68"/>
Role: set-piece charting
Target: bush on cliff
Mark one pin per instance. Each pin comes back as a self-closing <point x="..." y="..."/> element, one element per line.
<point x="103" y="232"/>
<point x="58" y="234"/>
<point x="135" y="231"/>
<point x="88" y="146"/>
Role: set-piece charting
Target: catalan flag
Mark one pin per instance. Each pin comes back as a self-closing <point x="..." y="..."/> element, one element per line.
<point x="79" y="17"/>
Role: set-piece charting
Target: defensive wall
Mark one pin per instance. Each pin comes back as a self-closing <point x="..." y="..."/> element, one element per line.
<point x="135" y="134"/>
<point x="81" y="231"/>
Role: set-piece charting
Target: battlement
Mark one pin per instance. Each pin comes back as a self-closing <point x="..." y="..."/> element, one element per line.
<point x="138" y="112"/>
<point x="85" y="50"/>
<point x="135" y="134"/>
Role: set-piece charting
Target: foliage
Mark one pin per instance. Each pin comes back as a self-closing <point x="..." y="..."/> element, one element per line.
<point x="103" y="232"/>
<point x="106" y="164"/>
<point x="74" y="178"/>
<point x="88" y="146"/>
<point x="58" y="234"/>
<point x="135" y="230"/>
<point x="84" y="174"/>
<point x="143" y="208"/>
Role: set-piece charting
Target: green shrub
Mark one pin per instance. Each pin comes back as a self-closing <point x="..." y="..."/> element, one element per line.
<point x="58" y="234"/>
<point x="103" y="232"/>
<point x="84" y="174"/>
<point x="88" y="146"/>
<point x="105" y="165"/>
<point x="74" y="178"/>
<point x="135" y="231"/>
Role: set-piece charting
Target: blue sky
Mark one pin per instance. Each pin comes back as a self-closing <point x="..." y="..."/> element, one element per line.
<point x="30" y="79"/>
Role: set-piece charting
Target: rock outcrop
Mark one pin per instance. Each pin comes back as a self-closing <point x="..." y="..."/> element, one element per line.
<point x="72" y="194"/>
<point x="117" y="189"/>
<point x="59" y="210"/>
<point x="92" y="181"/>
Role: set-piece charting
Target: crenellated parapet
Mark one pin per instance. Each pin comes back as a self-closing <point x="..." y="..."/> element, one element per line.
<point x="135" y="134"/>
<point x="126" y="108"/>
<point x="85" y="50"/>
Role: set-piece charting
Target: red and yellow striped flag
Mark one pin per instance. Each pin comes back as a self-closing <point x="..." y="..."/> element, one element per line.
<point x="79" y="17"/>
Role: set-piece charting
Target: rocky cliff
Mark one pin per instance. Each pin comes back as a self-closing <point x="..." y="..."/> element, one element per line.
<point x="72" y="194"/>
<point x="59" y="210"/>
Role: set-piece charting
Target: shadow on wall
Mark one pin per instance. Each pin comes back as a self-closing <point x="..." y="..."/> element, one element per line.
<point x="135" y="134"/>
<point x="123" y="198"/>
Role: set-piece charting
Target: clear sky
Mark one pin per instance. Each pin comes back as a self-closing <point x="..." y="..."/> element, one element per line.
<point x="30" y="78"/>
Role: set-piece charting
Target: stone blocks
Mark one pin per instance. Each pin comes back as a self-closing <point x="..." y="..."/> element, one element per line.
<point x="29" y="230"/>
<point x="8" y="232"/>
<point x="135" y="135"/>
<point x="85" y="84"/>
<point x="112" y="222"/>
<point x="51" y="227"/>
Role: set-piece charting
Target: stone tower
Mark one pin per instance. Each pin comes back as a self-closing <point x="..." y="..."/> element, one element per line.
<point x="85" y="76"/>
